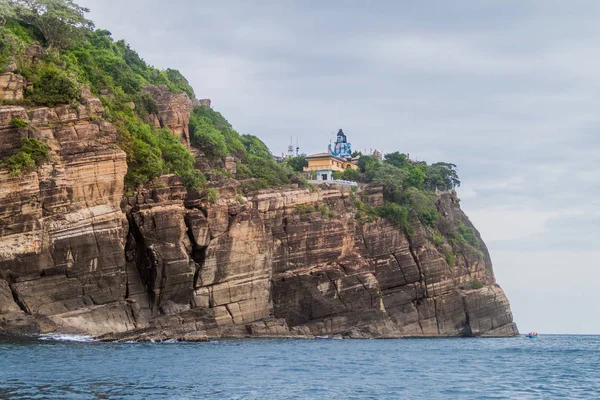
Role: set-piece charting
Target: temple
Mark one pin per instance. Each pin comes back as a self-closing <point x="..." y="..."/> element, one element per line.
<point x="321" y="166"/>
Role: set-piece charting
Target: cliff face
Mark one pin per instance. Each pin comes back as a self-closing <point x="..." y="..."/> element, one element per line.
<point x="61" y="227"/>
<point x="76" y="256"/>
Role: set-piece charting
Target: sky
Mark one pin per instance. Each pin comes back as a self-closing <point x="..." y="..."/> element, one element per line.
<point x="506" y="90"/>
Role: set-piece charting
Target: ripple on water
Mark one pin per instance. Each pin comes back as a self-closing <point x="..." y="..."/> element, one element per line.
<point x="76" y="367"/>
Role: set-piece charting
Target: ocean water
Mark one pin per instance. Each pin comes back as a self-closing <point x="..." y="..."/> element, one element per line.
<point x="561" y="367"/>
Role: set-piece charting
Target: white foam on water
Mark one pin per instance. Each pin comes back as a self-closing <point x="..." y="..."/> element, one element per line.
<point x="66" y="337"/>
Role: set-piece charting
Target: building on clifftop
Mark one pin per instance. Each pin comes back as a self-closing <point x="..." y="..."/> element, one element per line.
<point x="321" y="166"/>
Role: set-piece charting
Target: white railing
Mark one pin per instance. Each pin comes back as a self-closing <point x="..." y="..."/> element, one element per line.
<point x="334" y="181"/>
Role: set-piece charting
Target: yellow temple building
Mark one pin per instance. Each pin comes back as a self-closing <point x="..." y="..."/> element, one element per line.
<point x="325" y="164"/>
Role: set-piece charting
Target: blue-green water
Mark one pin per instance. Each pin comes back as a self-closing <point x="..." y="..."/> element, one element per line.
<point x="562" y="367"/>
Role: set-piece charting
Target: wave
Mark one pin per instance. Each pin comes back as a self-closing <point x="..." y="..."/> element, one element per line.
<point x="66" y="337"/>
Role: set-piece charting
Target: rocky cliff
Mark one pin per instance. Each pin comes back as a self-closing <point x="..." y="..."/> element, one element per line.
<point x="76" y="255"/>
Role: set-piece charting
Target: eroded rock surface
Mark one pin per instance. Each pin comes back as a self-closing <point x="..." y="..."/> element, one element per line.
<point x="174" y="111"/>
<point x="75" y="256"/>
<point x="11" y="86"/>
<point x="61" y="227"/>
<point x="262" y="266"/>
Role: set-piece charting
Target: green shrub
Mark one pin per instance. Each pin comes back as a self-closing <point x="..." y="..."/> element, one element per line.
<point x="398" y="215"/>
<point x="304" y="209"/>
<point x="259" y="164"/>
<point x="178" y="160"/>
<point x="151" y="153"/>
<point x="30" y="155"/>
<point x="14" y="39"/>
<point x="467" y="234"/>
<point x="206" y="137"/>
<point x="475" y="285"/>
<point x="297" y="163"/>
<point x="347" y="175"/>
<point x="438" y="240"/>
<point x="450" y="258"/>
<point x="214" y="117"/>
<point x="145" y="104"/>
<point x="364" y="212"/>
<point x="18" y="123"/>
<point x="212" y="196"/>
<point x="52" y="86"/>
<point x="479" y="254"/>
<point x="423" y="204"/>
<point x="218" y="174"/>
<point x="325" y="211"/>
<point x="178" y="83"/>
<point x="144" y="159"/>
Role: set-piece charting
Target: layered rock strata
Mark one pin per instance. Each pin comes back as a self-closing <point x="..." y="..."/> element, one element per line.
<point x="173" y="112"/>
<point x="61" y="227"/>
<point x="75" y="256"/>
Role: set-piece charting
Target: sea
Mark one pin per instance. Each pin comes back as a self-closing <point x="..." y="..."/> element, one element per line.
<point x="75" y="367"/>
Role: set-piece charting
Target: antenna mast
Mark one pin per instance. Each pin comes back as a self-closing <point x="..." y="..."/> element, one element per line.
<point x="291" y="147"/>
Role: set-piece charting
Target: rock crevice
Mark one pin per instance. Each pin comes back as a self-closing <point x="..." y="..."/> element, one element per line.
<point x="75" y="256"/>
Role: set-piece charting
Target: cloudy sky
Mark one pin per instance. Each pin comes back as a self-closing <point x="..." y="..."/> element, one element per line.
<point x="508" y="91"/>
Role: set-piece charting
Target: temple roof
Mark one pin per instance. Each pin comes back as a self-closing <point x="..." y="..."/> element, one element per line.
<point x="325" y="155"/>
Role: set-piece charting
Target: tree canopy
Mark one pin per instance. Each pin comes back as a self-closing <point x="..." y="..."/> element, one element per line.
<point x="442" y="176"/>
<point x="297" y="163"/>
<point x="61" y="22"/>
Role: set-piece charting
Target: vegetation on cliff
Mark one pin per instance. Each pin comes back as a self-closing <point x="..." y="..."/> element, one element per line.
<point x="29" y="155"/>
<point x="410" y="188"/>
<point x="75" y="55"/>
<point x="215" y="136"/>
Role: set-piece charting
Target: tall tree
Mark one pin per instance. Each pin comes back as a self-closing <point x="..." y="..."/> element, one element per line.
<point x="297" y="163"/>
<point x="442" y="176"/>
<point x="6" y="11"/>
<point x="61" y="22"/>
<point x="397" y="159"/>
<point x="390" y="177"/>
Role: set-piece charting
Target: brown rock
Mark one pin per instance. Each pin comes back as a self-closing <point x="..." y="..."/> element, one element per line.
<point x="273" y="264"/>
<point x="7" y="303"/>
<point x="61" y="227"/>
<point x="174" y="110"/>
<point x="204" y="102"/>
<point x="11" y="86"/>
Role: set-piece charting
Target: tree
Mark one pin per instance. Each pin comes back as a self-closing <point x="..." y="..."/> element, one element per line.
<point x="54" y="86"/>
<point x="423" y="204"/>
<point x="368" y="163"/>
<point x="416" y="176"/>
<point x="397" y="159"/>
<point x="206" y="137"/>
<point x="297" y="163"/>
<point x="61" y="22"/>
<point x="390" y="177"/>
<point x="348" y="174"/>
<point x="442" y="176"/>
<point x="6" y="11"/>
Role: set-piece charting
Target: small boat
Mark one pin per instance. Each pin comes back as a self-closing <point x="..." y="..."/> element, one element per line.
<point x="532" y="335"/>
